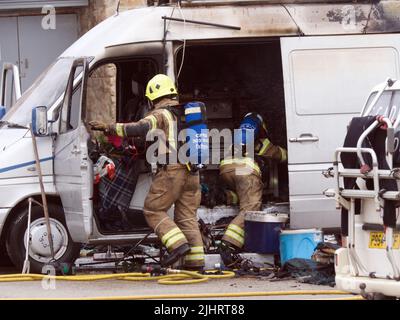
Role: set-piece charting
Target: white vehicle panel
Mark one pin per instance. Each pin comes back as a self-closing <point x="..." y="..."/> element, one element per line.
<point x="73" y="169"/>
<point x="74" y="182"/>
<point x="326" y="80"/>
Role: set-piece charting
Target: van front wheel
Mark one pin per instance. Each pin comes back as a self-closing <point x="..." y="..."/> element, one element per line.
<point x="65" y="250"/>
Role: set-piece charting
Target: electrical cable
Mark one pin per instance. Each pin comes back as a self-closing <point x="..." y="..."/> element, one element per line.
<point x="124" y="258"/>
<point x="184" y="42"/>
<point x="299" y="31"/>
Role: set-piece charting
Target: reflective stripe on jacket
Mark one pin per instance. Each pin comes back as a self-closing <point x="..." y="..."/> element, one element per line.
<point x="240" y="163"/>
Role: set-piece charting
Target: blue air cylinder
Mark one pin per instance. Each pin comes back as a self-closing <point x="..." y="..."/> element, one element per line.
<point x="197" y="132"/>
<point x="2" y="112"/>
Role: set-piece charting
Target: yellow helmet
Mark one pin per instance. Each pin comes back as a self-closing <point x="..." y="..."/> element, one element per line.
<point x="160" y="86"/>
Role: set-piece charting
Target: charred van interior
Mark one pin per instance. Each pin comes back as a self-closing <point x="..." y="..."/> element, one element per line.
<point x="114" y="191"/>
<point x="232" y="80"/>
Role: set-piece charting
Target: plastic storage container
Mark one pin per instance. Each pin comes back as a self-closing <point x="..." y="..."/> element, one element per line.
<point x="262" y="231"/>
<point x="299" y="243"/>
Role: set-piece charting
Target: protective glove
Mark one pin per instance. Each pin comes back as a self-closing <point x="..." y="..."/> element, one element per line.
<point x="99" y="126"/>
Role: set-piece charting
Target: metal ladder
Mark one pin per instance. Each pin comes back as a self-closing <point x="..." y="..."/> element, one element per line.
<point x="375" y="174"/>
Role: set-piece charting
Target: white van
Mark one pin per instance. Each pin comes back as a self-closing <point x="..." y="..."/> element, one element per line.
<point x="369" y="264"/>
<point x="304" y="67"/>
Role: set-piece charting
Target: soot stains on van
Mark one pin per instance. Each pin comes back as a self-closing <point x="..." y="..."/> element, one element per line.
<point x="380" y="17"/>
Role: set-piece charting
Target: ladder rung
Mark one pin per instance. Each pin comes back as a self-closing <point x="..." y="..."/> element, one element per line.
<point x="365" y="194"/>
<point x="355" y="173"/>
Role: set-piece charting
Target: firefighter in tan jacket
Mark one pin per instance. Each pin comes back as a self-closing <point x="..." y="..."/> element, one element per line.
<point x="173" y="182"/>
<point x="243" y="177"/>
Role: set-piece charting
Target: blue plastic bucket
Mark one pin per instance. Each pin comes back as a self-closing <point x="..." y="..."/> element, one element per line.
<point x="262" y="231"/>
<point x="299" y="243"/>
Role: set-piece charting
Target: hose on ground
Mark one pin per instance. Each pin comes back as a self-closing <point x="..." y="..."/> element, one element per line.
<point x="213" y="295"/>
<point x="174" y="277"/>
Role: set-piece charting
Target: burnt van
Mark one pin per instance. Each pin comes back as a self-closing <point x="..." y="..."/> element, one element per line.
<point x="306" y="68"/>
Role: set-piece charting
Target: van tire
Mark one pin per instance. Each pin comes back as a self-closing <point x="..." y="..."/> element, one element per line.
<point x="67" y="253"/>
<point x="4" y="258"/>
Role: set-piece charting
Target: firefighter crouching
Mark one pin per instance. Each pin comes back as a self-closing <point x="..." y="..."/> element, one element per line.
<point x="243" y="177"/>
<point x="172" y="184"/>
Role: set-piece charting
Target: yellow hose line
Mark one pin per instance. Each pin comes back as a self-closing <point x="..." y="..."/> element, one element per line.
<point x="348" y="298"/>
<point x="212" y="295"/>
<point x="176" y="277"/>
<point x="181" y="280"/>
<point x="32" y="277"/>
<point x="237" y="294"/>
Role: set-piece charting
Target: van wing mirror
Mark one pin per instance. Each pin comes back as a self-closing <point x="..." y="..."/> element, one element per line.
<point x="40" y="121"/>
<point x="391" y="144"/>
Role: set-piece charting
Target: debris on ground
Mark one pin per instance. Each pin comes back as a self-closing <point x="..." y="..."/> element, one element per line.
<point x="318" y="270"/>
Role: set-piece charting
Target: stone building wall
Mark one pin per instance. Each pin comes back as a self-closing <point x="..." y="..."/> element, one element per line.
<point x="101" y="95"/>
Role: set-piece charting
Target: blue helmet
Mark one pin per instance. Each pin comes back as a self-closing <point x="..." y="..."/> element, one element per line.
<point x="254" y="123"/>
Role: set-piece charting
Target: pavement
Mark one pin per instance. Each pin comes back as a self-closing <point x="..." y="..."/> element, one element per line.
<point x="47" y="289"/>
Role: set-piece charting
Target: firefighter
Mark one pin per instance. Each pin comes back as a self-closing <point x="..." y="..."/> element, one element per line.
<point x="243" y="177"/>
<point x="174" y="183"/>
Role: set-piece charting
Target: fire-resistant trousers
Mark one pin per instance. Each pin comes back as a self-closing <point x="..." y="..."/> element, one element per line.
<point x="249" y="189"/>
<point x="174" y="184"/>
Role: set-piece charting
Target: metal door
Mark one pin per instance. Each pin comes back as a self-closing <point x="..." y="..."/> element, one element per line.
<point x="327" y="80"/>
<point x="73" y="169"/>
<point x="39" y="47"/>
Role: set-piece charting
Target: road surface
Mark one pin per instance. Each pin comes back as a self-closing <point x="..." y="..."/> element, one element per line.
<point x="121" y="288"/>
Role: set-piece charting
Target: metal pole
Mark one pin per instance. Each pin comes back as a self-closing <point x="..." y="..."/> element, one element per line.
<point x="16" y="82"/>
<point x="26" y="267"/>
<point x="44" y="199"/>
<point x="203" y="23"/>
<point x="164" y="53"/>
<point x="362" y="138"/>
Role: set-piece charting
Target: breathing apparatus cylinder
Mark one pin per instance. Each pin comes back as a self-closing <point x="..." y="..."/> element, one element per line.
<point x="197" y="133"/>
<point x="2" y="111"/>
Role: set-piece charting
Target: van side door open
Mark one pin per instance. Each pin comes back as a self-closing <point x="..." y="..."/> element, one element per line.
<point x="73" y="169"/>
<point x="326" y="80"/>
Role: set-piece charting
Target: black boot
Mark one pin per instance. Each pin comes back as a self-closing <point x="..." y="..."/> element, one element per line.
<point x="175" y="255"/>
<point x="229" y="253"/>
